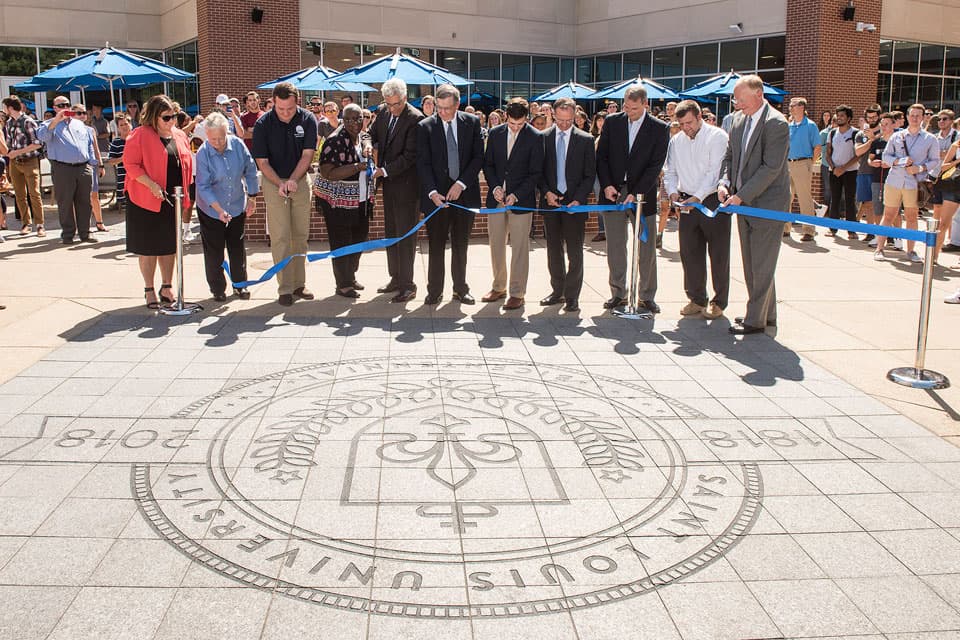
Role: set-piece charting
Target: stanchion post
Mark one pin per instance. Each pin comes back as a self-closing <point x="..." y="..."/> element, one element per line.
<point x="917" y="376"/>
<point x="178" y="307"/>
<point x="633" y="310"/>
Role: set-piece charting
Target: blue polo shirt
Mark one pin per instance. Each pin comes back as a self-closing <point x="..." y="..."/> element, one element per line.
<point x="70" y="142"/>
<point x="804" y="136"/>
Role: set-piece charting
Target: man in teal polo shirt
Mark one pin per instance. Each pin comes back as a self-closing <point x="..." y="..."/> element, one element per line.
<point x="804" y="146"/>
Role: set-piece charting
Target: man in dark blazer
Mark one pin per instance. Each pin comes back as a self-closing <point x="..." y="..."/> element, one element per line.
<point x="566" y="180"/>
<point x="512" y="165"/>
<point x="448" y="178"/>
<point x="754" y="173"/>
<point x="630" y="156"/>
<point x="394" y="138"/>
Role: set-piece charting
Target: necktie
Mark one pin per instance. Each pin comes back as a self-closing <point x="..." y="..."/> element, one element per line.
<point x="393" y="122"/>
<point x="453" y="155"/>
<point x="511" y="138"/>
<point x="743" y="150"/>
<point x="561" y="162"/>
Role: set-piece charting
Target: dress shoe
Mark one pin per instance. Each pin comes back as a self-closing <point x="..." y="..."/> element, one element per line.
<point x="692" y="309"/>
<point x="285" y="299"/>
<point x="349" y="293"/>
<point x="600" y="237"/>
<point x="404" y="296"/>
<point x="614" y="302"/>
<point x="571" y="306"/>
<point x="66" y="241"/>
<point x="356" y="285"/>
<point x="513" y="303"/>
<point x="220" y="297"/>
<point x="464" y="298"/>
<point x="852" y="235"/>
<point x="650" y="306"/>
<point x="243" y="294"/>
<point x="745" y="330"/>
<point x="713" y="311"/>
<point x="807" y="237"/>
<point x="390" y="287"/>
<point x="831" y="233"/>
<point x="950" y="248"/>
<point x="25" y="229"/>
<point x="551" y="300"/>
<point x="432" y="300"/>
<point x="89" y="240"/>
<point x="493" y="296"/>
<point x="739" y="320"/>
<point x="303" y="293"/>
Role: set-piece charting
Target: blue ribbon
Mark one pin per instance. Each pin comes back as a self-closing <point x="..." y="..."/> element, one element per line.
<point x="383" y="243"/>
<point x="926" y="237"/>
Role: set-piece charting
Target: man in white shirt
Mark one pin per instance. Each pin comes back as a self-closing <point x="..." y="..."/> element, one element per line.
<point x="691" y="175"/>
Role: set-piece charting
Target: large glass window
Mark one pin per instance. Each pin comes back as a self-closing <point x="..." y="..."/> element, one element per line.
<point x="772" y="53"/>
<point x="700" y="59"/>
<point x="18" y="61"/>
<point x="636" y="63"/>
<point x="585" y="71"/>
<point x="886" y="56"/>
<point x="931" y="59"/>
<point x="545" y="70"/>
<point x="951" y="94"/>
<point x="668" y="62"/>
<point x="566" y="69"/>
<point x="608" y="69"/>
<point x="883" y="90"/>
<point x="51" y="56"/>
<point x="906" y="56"/>
<point x="516" y="68"/>
<point x="738" y="55"/>
<point x="929" y="92"/>
<point x="485" y="66"/>
<point x="453" y="61"/>
<point x="952" y="65"/>
<point x="903" y="91"/>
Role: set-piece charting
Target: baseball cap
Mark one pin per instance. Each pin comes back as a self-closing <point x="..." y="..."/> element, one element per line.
<point x="223" y="98"/>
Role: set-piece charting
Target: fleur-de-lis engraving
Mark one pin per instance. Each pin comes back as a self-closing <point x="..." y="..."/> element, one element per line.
<point x="446" y="447"/>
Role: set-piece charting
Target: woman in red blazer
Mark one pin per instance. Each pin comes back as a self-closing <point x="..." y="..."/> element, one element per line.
<point x="157" y="157"/>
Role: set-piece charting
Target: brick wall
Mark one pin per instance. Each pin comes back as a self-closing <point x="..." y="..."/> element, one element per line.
<point x="233" y="64"/>
<point x="255" y="229"/>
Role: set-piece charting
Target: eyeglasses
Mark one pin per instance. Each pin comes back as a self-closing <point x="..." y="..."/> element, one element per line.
<point x="944" y="118"/>
<point x="61" y="105"/>
<point x="79" y="113"/>
<point x="169" y="117"/>
<point x="366" y="117"/>
<point x="391" y="105"/>
<point x="329" y="110"/>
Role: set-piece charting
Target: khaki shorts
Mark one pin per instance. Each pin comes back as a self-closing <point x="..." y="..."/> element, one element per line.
<point x="894" y="197"/>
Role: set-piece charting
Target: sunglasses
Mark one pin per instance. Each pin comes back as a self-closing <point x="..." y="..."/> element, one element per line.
<point x="928" y="113"/>
<point x="329" y="110"/>
<point x="944" y="118"/>
<point x="315" y="105"/>
<point x="79" y="113"/>
<point x="168" y="118"/>
<point x="61" y="105"/>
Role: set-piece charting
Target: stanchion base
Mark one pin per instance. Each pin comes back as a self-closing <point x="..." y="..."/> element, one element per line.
<point x="631" y="313"/>
<point x="173" y="309"/>
<point x="918" y="378"/>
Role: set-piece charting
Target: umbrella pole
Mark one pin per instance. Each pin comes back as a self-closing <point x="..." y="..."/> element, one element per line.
<point x="113" y="104"/>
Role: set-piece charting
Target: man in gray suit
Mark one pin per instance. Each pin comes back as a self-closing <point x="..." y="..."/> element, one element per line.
<point x="754" y="173"/>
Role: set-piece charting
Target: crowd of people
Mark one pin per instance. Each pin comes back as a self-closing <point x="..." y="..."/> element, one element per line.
<point x="336" y="156"/>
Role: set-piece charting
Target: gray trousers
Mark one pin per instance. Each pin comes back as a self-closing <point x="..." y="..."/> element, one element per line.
<point x="760" y="247"/>
<point x="618" y="239"/>
<point x="71" y="188"/>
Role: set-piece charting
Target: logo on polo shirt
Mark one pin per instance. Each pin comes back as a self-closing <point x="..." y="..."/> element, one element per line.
<point x="298" y="132"/>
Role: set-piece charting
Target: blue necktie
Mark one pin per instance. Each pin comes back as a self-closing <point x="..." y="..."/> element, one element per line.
<point x="561" y="162"/>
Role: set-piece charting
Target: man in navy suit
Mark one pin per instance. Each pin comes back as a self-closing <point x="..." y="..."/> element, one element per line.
<point x="569" y="169"/>
<point x="512" y="166"/>
<point x="449" y="158"/>
<point x="630" y="156"/>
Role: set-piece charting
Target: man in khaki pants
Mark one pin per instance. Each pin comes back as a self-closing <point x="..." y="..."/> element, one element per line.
<point x="284" y="142"/>
<point x="20" y="132"/>
<point x="804" y="147"/>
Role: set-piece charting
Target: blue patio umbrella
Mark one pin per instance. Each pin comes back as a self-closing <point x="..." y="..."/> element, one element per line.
<point x="400" y="65"/>
<point x="722" y="86"/>
<point x="108" y="68"/>
<point x="655" y="90"/>
<point x="566" y="90"/>
<point x="477" y="98"/>
<point x="317" y="78"/>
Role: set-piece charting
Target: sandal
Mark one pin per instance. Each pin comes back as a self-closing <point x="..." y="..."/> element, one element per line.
<point x="164" y="298"/>
<point x="150" y="305"/>
<point x="100" y="227"/>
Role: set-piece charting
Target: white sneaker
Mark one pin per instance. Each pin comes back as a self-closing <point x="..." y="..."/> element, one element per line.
<point x="954" y="299"/>
<point x="878" y="256"/>
<point x="898" y="243"/>
<point x="913" y="257"/>
<point x="872" y="243"/>
<point x="822" y="210"/>
<point x="188" y="236"/>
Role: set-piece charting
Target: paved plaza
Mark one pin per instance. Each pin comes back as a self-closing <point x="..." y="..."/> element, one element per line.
<point x="369" y="470"/>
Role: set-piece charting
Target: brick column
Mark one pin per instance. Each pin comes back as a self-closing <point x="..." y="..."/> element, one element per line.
<point x="234" y="65"/>
<point x="828" y="61"/>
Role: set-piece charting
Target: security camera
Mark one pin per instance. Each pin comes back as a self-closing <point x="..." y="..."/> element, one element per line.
<point x="736" y="28"/>
<point x="866" y="26"/>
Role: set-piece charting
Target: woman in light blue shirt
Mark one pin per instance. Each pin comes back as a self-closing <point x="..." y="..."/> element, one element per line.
<point x="227" y="186"/>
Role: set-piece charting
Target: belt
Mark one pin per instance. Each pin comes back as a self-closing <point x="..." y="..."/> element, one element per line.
<point x="21" y="159"/>
<point x="798" y="159"/>
<point x="71" y="164"/>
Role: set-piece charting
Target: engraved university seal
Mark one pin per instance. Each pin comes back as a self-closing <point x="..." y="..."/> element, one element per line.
<point x="447" y="487"/>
